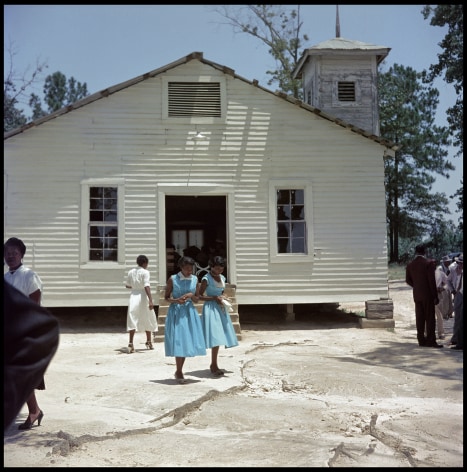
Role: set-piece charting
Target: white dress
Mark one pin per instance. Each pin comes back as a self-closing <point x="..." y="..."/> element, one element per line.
<point x="139" y="316"/>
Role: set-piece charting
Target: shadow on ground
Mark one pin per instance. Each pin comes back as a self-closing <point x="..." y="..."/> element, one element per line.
<point x="306" y="316"/>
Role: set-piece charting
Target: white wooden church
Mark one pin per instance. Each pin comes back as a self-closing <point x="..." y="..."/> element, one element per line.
<point x="190" y="153"/>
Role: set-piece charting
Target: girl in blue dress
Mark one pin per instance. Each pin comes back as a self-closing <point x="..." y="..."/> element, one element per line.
<point x="183" y="331"/>
<point x="217" y="324"/>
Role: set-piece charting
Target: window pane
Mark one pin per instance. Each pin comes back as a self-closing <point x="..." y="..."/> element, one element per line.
<point x="110" y="192"/>
<point x="95" y="192"/>
<point x="298" y="230"/>
<point x="95" y="255"/>
<point x="95" y="204"/>
<point x="283" y="230"/>
<point x="283" y="247"/>
<point x="110" y="255"/>
<point x="283" y="196"/>
<point x="298" y="245"/>
<point x="298" y="212"/>
<point x="110" y="216"/>
<point x="110" y="243"/>
<point x="96" y="216"/>
<point x="283" y="213"/>
<point x="291" y="224"/>
<point x="103" y="235"/>
<point x="298" y="196"/>
<point x="95" y="243"/>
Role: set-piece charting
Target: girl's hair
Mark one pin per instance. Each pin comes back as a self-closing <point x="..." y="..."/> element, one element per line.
<point x="217" y="261"/>
<point x="15" y="242"/>
<point x="185" y="260"/>
<point x="142" y="259"/>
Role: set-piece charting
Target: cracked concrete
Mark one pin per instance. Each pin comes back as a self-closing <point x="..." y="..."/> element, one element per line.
<point x="314" y="393"/>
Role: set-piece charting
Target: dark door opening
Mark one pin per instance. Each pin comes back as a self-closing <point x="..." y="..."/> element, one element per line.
<point x="196" y="226"/>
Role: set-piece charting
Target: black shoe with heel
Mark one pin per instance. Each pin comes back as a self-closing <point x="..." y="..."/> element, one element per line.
<point x="28" y="424"/>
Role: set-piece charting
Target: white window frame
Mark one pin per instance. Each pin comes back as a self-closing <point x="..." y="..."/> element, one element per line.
<point x="275" y="256"/>
<point x="85" y="262"/>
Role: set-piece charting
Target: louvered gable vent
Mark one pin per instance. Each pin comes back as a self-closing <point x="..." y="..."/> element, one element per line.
<point x="346" y="91"/>
<point x="194" y="99"/>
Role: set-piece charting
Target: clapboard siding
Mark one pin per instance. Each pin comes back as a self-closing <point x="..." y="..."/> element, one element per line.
<point x="263" y="137"/>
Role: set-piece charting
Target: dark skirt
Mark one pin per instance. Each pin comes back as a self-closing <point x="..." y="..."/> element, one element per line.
<point x="41" y="385"/>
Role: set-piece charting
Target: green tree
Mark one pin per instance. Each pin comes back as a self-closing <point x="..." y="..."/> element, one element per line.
<point x="451" y="64"/>
<point x="460" y="204"/>
<point x="407" y="114"/>
<point x="15" y="87"/>
<point x="58" y="93"/>
<point x="279" y="30"/>
<point x="444" y="238"/>
<point x="12" y="116"/>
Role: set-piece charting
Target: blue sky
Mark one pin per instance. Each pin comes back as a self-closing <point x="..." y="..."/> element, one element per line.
<point x="106" y="45"/>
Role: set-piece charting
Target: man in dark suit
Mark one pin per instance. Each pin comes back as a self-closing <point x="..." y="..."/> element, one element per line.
<point x="420" y="275"/>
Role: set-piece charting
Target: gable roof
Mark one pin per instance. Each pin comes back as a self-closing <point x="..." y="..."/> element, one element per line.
<point x="193" y="56"/>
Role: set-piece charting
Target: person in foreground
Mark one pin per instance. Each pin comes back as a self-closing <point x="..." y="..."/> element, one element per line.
<point x="183" y="330"/>
<point x="217" y="324"/>
<point x="30" y="340"/>
<point x="140" y="315"/>
<point x="34" y="347"/>
<point x="420" y="275"/>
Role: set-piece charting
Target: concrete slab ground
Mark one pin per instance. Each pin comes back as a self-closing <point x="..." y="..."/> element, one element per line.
<point x="318" y="391"/>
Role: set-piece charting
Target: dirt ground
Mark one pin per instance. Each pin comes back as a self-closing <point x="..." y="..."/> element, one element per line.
<point x="320" y="392"/>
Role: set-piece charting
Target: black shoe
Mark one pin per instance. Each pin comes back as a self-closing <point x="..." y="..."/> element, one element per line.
<point x="28" y="423"/>
<point x="457" y="348"/>
<point x="435" y="345"/>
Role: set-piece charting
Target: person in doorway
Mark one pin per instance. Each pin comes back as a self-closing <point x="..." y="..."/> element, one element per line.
<point x="456" y="285"/>
<point x="29" y="283"/>
<point x="172" y="259"/>
<point x="202" y="258"/>
<point x="219" y="249"/>
<point x="217" y="325"/>
<point x="420" y="275"/>
<point x="183" y="330"/>
<point x="140" y="314"/>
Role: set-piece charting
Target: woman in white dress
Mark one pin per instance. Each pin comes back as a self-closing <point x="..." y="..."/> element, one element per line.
<point x="140" y="315"/>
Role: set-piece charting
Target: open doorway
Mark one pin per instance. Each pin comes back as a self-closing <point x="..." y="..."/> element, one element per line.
<point x="196" y="226"/>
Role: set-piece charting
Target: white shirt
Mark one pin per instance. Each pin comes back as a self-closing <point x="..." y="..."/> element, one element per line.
<point x="441" y="277"/>
<point x="24" y="279"/>
<point x="138" y="278"/>
<point x="453" y="278"/>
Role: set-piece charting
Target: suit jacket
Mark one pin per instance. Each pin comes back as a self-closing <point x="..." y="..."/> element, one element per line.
<point x="420" y="275"/>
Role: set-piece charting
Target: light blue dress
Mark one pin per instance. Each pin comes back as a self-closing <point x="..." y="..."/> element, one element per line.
<point x="217" y="325"/>
<point x="183" y="330"/>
